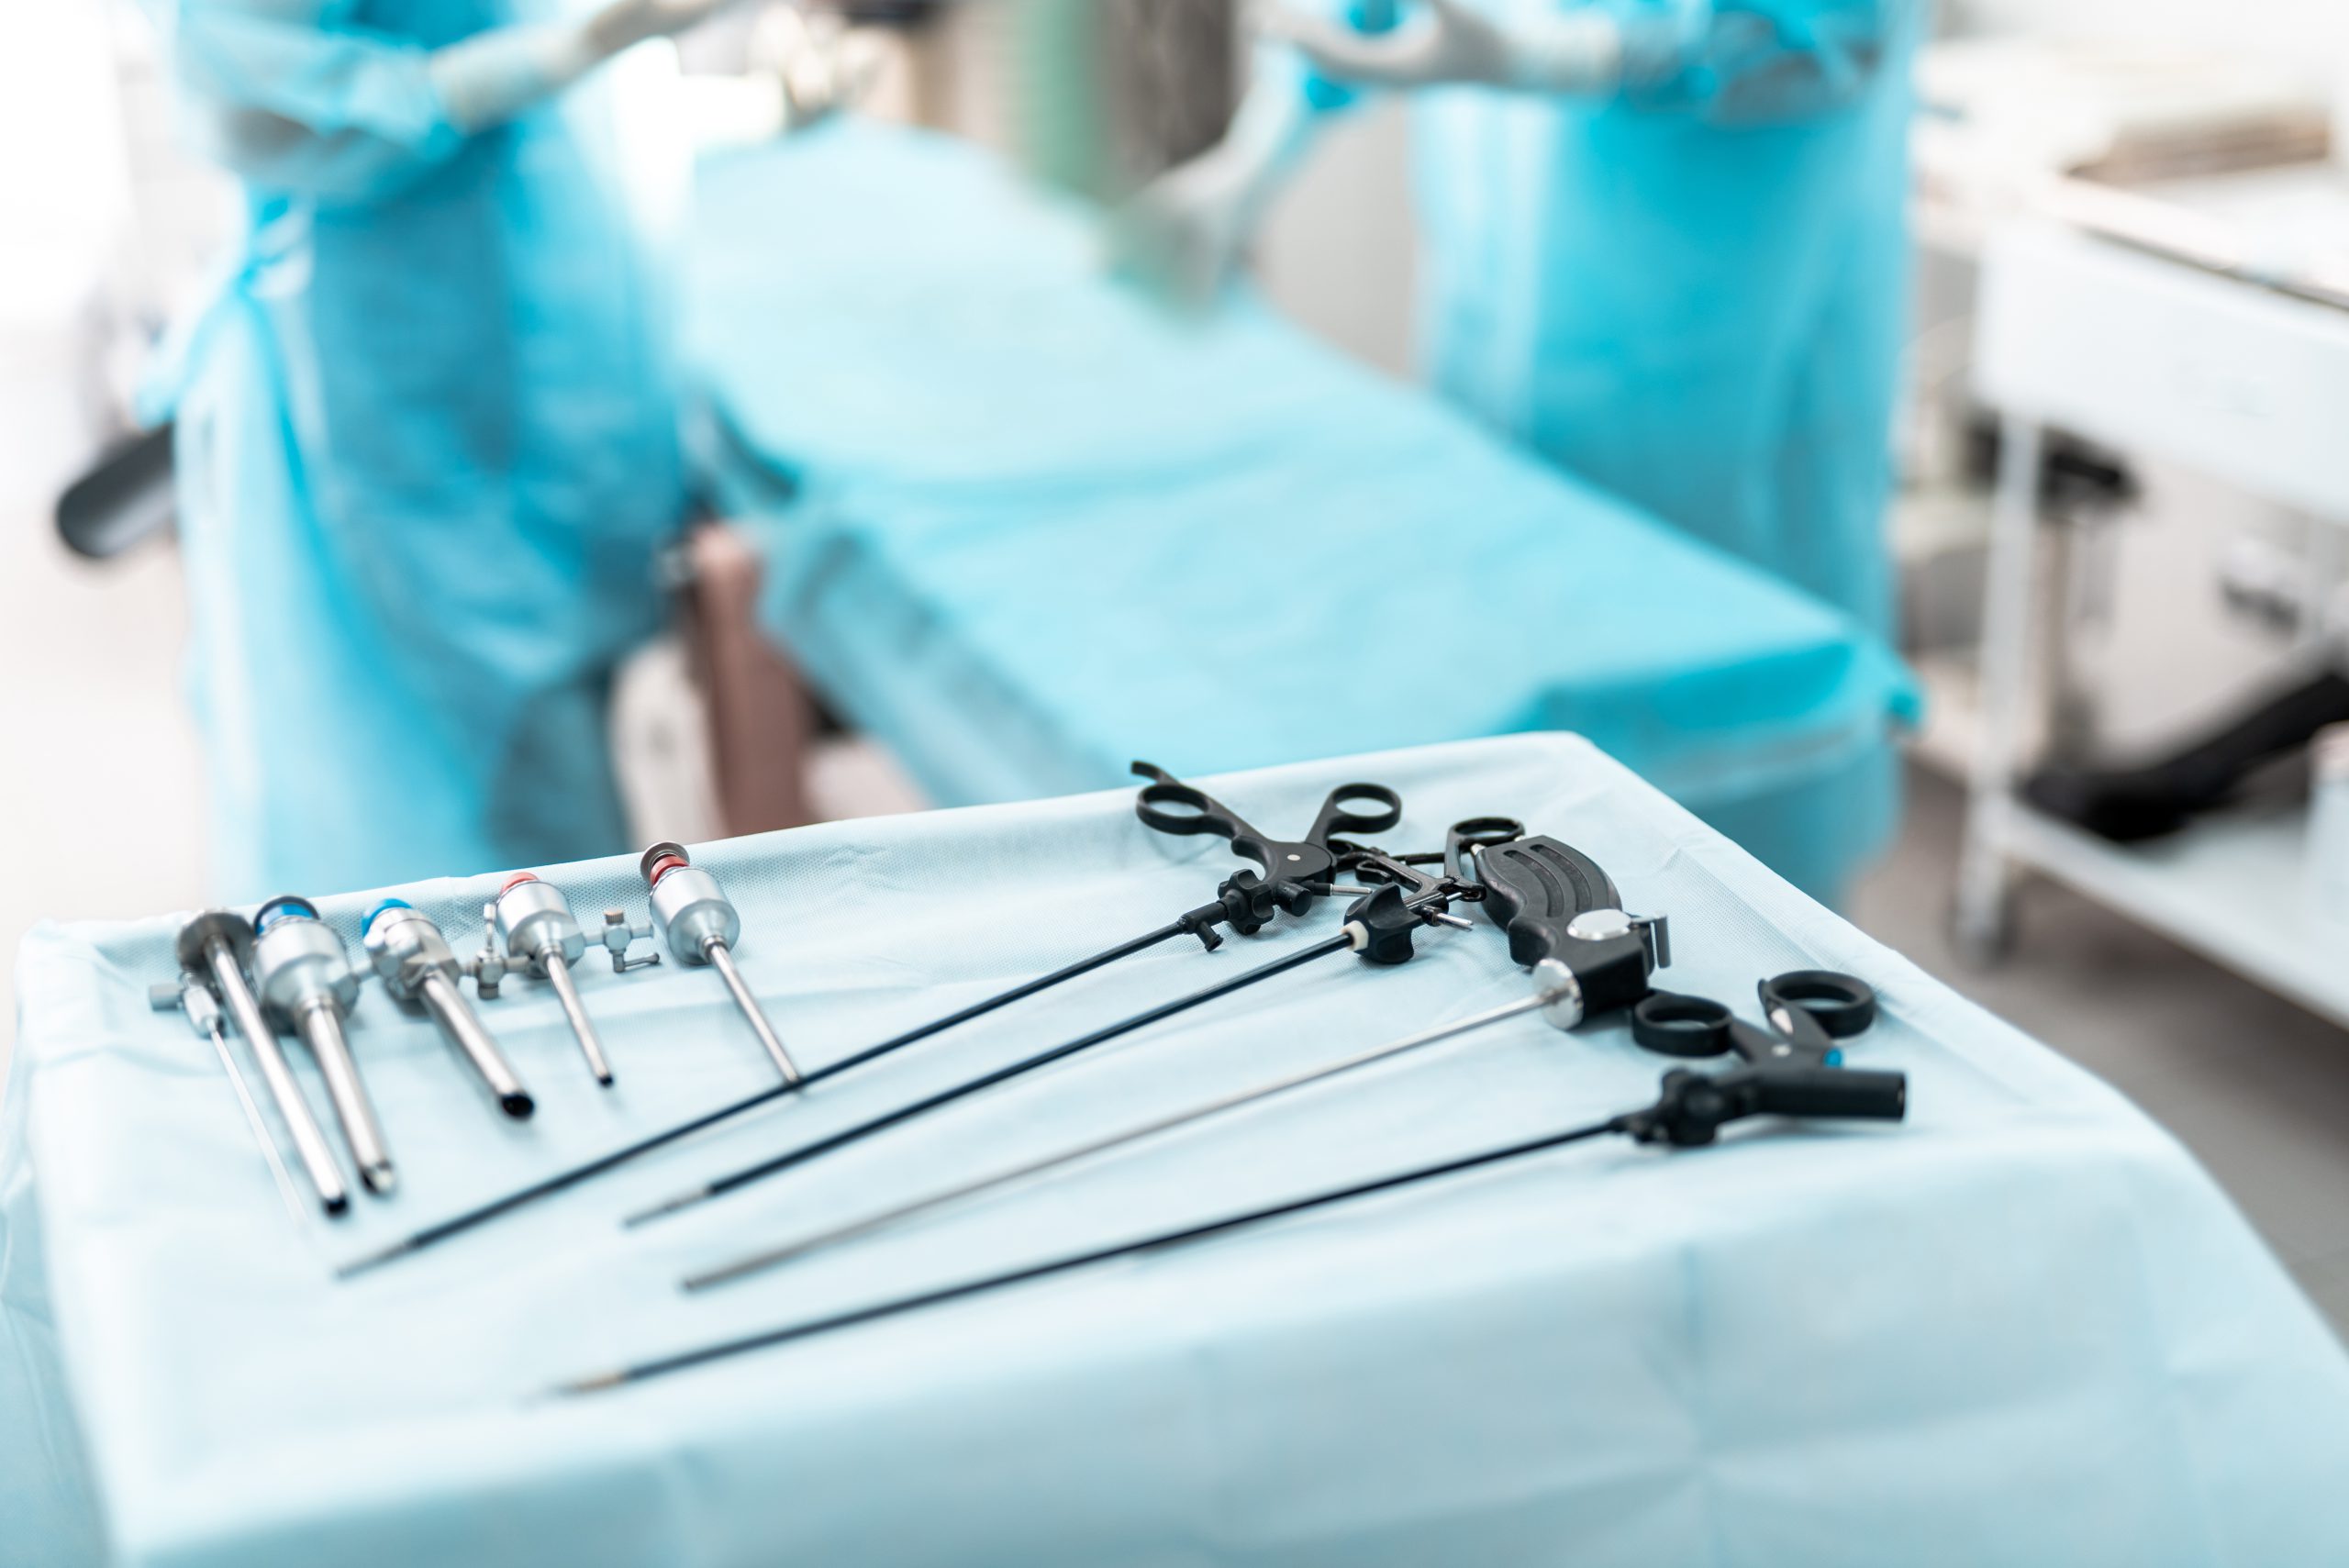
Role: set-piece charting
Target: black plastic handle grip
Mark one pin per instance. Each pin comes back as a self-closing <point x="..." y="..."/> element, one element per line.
<point x="1167" y="804"/>
<point x="1534" y="888"/>
<point x="1695" y="1106"/>
<point x="1850" y="1093"/>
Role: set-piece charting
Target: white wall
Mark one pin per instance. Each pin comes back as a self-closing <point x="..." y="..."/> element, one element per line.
<point x="2295" y="32"/>
<point x="1337" y="252"/>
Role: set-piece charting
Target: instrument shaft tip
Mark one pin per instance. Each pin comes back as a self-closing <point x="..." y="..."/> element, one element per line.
<point x="646" y="1215"/>
<point x="372" y="1261"/>
<point x="596" y="1384"/>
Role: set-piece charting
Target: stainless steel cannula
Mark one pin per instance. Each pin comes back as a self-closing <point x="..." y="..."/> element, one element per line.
<point x="535" y="922"/>
<point x="701" y="927"/>
<point x="190" y="997"/>
<point x="304" y="973"/>
<point x="413" y="959"/>
<point x="217" y="943"/>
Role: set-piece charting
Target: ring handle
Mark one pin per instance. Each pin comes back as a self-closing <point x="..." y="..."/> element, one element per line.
<point x="1671" y="1024"/>
<point x="1169" y="806"/>
<point x="1843" y="1005"/>
<point x="1384" y="809"/>
<point x="1476" y="833"/>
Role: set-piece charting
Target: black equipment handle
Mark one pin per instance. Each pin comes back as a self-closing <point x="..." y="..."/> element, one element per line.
<point x="1815" y="1007"/>
<point x="1297" y="871"/>
<point x="1475" y="834"/>
<point x="1695" y="1106"/>
<point x="1534" y="887"/>
<point x="1808" y="1009"/>
<point x="1167" y="804"/>
<point x="1549" y="897"/>
<point x="1862" y="1093"/>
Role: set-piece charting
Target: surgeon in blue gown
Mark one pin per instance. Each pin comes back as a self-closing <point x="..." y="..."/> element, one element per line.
<point x="427" y="438"/>
<point x="1662" y="243"/>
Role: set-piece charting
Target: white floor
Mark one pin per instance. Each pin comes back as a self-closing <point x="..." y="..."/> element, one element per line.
<point x="99" y="818"/>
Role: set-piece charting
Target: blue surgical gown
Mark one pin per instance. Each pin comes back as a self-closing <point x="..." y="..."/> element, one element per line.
<point x="427" y="447"/>
<point x="1690" y="292"/>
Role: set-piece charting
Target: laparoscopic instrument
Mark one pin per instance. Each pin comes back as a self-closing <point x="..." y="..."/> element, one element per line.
<point x="413" y="960"/>
<point x="1379" y="929"/>
<point x="214" y="949"/>
<point x="193" y="996"/>
<point x="286" y="969"/>
<point x="216" y="946"/>
<point x="1689" y="1113"/>
<point x="534" y="922"/>
<point x="701" y="927"/>
<point x="1809" y="1011"/>
<point x="1294" y="874"/>
<point x="305" y="977"/>
<point x="1566" y="921"/>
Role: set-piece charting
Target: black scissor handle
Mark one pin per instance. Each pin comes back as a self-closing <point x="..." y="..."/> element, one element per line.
<point x="1842" y="1004"/>
<point x="1672" y="1024"/>
<point x="1296" y="871"/>
<point x="1808" y="1010"/>
<point x="1167" y="804"/>
<point x="1342" y="811"/>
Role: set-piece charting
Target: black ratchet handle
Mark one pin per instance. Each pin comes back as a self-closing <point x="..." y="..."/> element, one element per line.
<point x="1534" y="888"/>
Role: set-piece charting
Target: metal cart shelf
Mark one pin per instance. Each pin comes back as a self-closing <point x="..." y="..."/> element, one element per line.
<point x="2243" y="382"/>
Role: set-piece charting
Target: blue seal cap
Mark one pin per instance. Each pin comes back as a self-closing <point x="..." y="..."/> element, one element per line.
<point x="378" y="911"/>
<point x="284" y="906"/>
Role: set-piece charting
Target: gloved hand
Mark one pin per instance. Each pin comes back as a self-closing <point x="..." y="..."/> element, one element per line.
<point x="1578" y="51"/>
<point x="821" y="64"/>
<point x="1183" y="233"/>
<point x="493" y="76"/>
<point x="624" y="24"/>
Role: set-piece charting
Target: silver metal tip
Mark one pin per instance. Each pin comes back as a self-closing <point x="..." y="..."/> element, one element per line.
<point x="596" y="1384"/>
<point x="369" y="1261"/>
<point x="646" y="1216"/>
